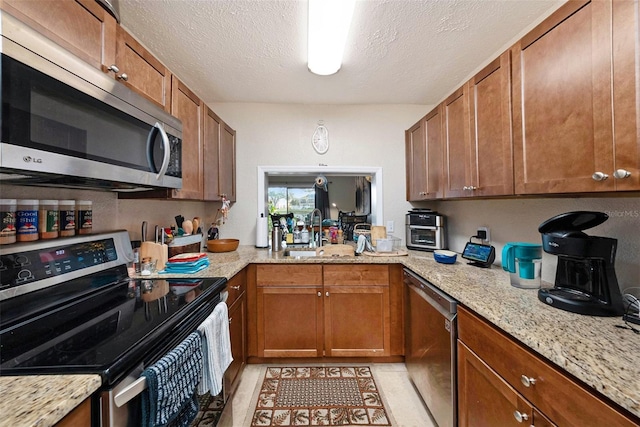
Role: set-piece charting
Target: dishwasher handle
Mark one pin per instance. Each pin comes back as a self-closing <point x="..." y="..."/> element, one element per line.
<point x="437" y="298"/>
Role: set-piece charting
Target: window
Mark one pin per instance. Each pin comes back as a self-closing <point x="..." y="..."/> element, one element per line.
<point x="300" y="201"/>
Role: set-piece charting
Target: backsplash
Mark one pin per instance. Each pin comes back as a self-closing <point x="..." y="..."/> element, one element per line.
<point x="111" y="213"/>
<point x="517" y="220"/>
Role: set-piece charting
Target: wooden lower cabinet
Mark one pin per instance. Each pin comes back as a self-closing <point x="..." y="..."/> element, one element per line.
<point x="485" y="399"/>
<point x="79" y="417"/>
<point x="289" y="310"/>
<point x="498" y="376"/>
<point x="237" y="302"/>
<point x="331" y="310"/>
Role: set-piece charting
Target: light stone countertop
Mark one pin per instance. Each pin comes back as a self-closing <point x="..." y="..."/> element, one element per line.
<point x="42" y="400"/>
<point x="592" y="349"/>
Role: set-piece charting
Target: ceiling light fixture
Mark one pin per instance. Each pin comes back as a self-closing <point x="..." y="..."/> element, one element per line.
<point x="329" y="22"/>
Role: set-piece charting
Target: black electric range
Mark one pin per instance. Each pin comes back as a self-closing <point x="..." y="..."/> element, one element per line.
<point x="68" y="306"/>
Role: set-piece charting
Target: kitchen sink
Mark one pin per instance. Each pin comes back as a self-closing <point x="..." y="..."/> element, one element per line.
<point x="300" y="252"/>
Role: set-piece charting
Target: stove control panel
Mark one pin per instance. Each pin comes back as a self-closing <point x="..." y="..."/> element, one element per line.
<point x="25" y="267"/>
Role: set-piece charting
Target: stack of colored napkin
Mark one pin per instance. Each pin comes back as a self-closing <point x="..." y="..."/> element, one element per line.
<point x="187" y="263"/>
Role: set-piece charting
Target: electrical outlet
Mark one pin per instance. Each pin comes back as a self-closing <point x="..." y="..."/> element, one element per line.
<point x="390" y="226"/>
<point x="487" y="234"/>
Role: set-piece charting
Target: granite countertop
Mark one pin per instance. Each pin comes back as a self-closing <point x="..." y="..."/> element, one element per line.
<point x="42" y="400"/>
<point x="592" y="349"/>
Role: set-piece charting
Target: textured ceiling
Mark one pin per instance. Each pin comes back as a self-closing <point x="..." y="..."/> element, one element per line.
<point x="398" y="52"/>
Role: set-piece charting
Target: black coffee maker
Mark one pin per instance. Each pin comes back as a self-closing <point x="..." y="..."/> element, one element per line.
<point x="586" y="280"/>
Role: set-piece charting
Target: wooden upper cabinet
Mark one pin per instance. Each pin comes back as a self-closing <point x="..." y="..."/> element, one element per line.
<point x="457" y="167"/>
<point x="562" y="103"/>
<point x="491" y="155"/>
<point x="227" y="164"/>
<point x="141" y="71"/>
<point x="80" y="26"/>
<point x="211" y="141"/>
<point x="219" y="158"/>
<point x="477" y="127"/>
<point x="416" y="162"/>
<point x="187" y="107"/>
<point x="423" y="151"/>
<point x="626" y="92"/>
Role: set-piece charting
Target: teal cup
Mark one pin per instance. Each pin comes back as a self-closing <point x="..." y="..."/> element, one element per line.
<point x="525" y="255"/>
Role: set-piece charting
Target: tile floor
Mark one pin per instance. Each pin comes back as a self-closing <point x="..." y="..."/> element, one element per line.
<point x="403" y="401"/>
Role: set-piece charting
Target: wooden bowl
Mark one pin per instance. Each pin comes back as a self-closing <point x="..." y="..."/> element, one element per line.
<point x="222" y="245"/>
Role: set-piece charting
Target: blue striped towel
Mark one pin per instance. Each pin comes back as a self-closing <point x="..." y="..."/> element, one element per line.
<point x="170" y="397"/>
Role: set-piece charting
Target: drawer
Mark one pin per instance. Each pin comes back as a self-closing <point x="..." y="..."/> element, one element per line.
<point x="558" y="396"/>
<point x="356" y="275"/>
<point x="289" y="275"/>
<point x="236" y="286"/>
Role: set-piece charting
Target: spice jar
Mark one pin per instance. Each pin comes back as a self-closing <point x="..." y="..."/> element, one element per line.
<point x="8" y="215"/>
<point x="67" y="217"/>
<point x="27" y="220"/>
<point x="84" y="218"/>
<point x="48" y="219"/>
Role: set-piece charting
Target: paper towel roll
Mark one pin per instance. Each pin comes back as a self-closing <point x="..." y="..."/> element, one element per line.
<point x="262" y="232"/>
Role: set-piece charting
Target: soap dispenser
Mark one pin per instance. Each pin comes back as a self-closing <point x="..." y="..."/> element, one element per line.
<point x="304" y="234"/>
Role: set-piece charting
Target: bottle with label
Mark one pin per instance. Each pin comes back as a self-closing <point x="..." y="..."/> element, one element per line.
<point x="49" y="219"/>
<point x="84" y="218"/>
<point x="297" y="238"/>
<point x="8" y="215"/>
<point x="27" y="220"/>
<point x="304" y="234"/>
<point x="67" y="217"/>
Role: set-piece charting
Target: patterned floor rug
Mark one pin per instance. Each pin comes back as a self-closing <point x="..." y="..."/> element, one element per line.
<point x="319" y="396"/>
<point x="210" y="410"/>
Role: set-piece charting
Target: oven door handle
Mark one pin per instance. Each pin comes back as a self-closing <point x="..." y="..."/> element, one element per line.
<point x="130" y="391"/>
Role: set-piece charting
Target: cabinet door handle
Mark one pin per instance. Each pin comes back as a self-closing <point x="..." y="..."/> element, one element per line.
<point x="520" y="417"/>
<point x="327" y="294"/>
<point x="621" y="173"/>
<point x="319" y="293"/>
<point x="235" y="288"/>
<point x="123" y="76"/>
<point x="599" y="176"/>
<point x="527" y="381"/>
<point x="114" y="68"/>
<point x="230" y="319"/>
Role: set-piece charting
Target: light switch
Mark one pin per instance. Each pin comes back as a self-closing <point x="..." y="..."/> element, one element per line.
<point x="389" y="226"/>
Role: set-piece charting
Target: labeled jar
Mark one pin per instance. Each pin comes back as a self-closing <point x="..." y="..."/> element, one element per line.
<point x="67" y="217"/>
<point x="48" y="219"/>
<point x="84" y="218"/>
<point x="8" y="215"/>
<point x="27" y="220"/>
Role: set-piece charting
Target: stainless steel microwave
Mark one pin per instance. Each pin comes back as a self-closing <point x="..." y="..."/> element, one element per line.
<point x="65" y="123"/>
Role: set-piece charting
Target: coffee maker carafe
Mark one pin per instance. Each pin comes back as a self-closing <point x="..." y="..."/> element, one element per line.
<point x="586" y="280"/>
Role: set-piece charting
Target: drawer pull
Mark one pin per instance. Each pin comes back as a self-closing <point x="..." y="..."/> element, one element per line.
<point x="235" y="288"/>
<point x="527" y="381"/>
<point x="230" y="320"/>
<point x="520" y="417"/>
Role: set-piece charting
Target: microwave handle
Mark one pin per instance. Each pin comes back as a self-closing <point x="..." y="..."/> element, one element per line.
<point x="165" y="143"/>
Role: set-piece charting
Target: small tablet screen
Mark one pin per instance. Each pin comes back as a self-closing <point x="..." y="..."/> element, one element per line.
<point x="476" y="252"/>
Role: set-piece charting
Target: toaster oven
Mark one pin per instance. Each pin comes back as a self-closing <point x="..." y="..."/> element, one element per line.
<point x="426" y="230"/>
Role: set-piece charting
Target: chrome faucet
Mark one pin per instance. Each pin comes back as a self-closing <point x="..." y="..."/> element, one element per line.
<point x="319" y="242"/>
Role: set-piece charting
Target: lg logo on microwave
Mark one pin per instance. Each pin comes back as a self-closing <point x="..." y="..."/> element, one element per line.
<point x="29" y="159"/>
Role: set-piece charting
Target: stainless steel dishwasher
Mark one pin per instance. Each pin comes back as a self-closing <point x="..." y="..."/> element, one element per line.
<point x="430" y="353"/>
